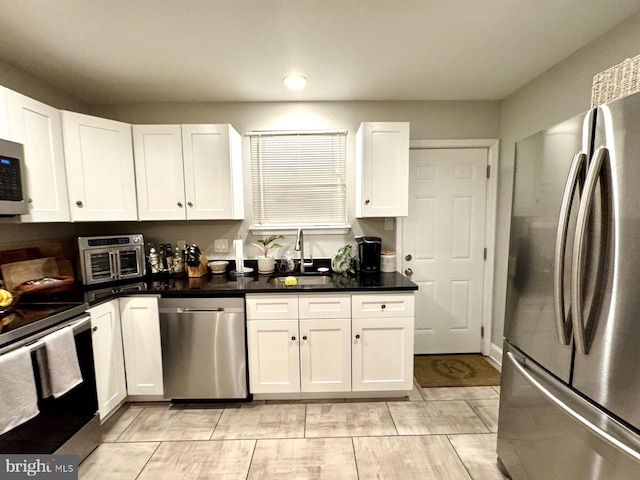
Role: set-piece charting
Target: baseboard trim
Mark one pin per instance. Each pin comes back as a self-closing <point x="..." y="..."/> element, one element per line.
<point x="495" y="356"/>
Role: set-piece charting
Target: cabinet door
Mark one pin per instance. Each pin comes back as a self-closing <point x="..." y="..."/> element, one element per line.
<point x="4" y="114"/>
<point x="325" y="355"/>
<point x="382" y="169"/>
<point x="100" y="173"/>
<point x="382" y="352"/>
<point x="39" y="128"/>
<point x="213" y="172"/>
<point x="141" y="341"/>
<point x="107" y="356"/>
<point x="159" y="176"/>
<point x="273" y="356"/>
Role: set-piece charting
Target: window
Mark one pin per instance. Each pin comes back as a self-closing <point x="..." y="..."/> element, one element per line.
<point x="299" y="178"/>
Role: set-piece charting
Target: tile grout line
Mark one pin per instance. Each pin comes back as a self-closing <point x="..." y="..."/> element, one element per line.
<point x="459" y="457"/>
<point x="148" y="460"/>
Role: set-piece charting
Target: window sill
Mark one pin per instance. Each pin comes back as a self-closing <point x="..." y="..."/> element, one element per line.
<point x="293" y="229"/>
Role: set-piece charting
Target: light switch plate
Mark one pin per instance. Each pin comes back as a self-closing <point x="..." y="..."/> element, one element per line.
<point x="388" y="223"/>
<point x="221" y="245"/>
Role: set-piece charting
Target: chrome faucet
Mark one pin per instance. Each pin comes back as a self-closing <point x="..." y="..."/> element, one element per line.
<point x="300" y="248"/>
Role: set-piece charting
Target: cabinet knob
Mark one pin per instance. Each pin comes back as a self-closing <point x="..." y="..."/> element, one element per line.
<point x="408" y="272"/>
<point x="180" y="204"/>
<point x="29" y="200"/>
<point x="190" y="204"/>
<point x="95" y="329"/>
<point x="293" y="338"/>
<point x="408" y="257"/>
<point x="366" y="202"/>
<point x="384" y="306"/>
<point x="304" y="338"/>
<point x="79" y="203"/>
<point x="358" y="336"/>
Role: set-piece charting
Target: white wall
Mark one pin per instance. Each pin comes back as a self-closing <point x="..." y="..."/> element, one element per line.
<point x="560" y="93"/>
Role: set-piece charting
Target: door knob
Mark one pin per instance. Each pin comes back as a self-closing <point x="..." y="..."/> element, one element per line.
<point x="408" y="257"/>
<point x="408" y="272"/>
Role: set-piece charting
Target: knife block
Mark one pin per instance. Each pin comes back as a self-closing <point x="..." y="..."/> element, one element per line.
<point x="199" y="270"/>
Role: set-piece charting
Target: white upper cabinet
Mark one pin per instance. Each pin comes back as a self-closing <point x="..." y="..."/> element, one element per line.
<point x="39" y="128"/>
<point x="100" y="171"/>
<point x="212" y="172"/>
<point x="382" y="169"/>
<point x="4" y="114"/>
<point x="191" y="172"/>
<point x="159" y="175"/>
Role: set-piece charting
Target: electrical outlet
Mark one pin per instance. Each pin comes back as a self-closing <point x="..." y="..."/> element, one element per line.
<point x="221" y="245"/>
<point x="388" y="223"/>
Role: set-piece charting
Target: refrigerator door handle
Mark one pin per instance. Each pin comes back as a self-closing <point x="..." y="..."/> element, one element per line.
<point x="572" y="413"/>
<point x="593" y="174"/>
<point x="563" y="322"/>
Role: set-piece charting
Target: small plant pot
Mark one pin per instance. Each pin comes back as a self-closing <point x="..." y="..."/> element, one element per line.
<point x="266" y="264"/>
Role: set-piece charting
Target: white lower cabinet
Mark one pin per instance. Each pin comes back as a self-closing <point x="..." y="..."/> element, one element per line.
<point x="298" y="343"/>
<point x="382" y="329"/>
<point x="141" y="342"/>
<point x="108" y="357"/>
<point x="330" y="342"/>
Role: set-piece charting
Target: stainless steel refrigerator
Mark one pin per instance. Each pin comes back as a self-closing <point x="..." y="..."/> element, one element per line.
<point x="570" y="389"/>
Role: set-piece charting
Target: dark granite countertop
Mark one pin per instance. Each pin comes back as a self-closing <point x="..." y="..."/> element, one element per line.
<point x="226" y="285"/>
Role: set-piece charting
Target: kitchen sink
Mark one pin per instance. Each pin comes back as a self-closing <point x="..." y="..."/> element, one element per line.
<point x="303" y="279"/>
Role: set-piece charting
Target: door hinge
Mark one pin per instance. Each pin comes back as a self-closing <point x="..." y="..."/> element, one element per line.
<point x="481" y="332"/>
<point x="485" y="254"/>
<point x="488" y="171"/>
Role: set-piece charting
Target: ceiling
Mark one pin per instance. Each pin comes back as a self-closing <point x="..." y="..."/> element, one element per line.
<point x="138" y="51"/>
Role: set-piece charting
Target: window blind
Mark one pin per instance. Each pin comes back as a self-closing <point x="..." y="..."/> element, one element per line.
<point x="299" y="178"/>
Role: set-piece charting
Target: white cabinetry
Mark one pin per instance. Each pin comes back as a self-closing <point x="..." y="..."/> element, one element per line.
<point x="39" y="128"/>
<point x="299" y="343"/>
<point x="141" y="341"/>
<point x="100" y="172"/>
<point x="382" y="329"/>
<point x="108" y="357"/>
<point x="191" y="172"/>
<point x="4" y="114"/>
<point x="382" y="169"/>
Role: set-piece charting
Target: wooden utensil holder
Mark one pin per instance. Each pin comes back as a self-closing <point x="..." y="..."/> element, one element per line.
<point x="199" y="270"/>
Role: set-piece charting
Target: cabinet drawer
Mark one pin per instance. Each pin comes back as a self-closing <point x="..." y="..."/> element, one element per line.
<point x="324" y="306"/>
<point x="272" y="307"/>
<point x="382" y="306"/>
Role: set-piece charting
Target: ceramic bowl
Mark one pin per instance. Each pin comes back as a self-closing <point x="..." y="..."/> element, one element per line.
<point x="218" y="266"/>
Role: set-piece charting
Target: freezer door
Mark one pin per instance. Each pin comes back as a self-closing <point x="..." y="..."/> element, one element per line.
<point x="546" y="431"/>
<point x="544" y="163"/>
<point x="608" y="371"/>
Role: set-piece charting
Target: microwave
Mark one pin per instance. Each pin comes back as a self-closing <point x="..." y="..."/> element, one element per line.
<point x="112" y="258"/>
<point x="12" y="198"/>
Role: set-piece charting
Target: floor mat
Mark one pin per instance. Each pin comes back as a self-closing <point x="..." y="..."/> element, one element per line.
<point x="465" y="370"/>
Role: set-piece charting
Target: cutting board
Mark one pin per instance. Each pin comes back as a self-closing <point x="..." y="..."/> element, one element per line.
<point x="15" y="273"/>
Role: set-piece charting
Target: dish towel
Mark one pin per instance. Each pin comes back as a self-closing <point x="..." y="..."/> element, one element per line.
<point x="58" y="363"/>
<point x="18" y="395"/>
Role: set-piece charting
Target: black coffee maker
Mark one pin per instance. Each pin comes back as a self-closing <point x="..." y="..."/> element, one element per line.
<point x="369" y="249"/>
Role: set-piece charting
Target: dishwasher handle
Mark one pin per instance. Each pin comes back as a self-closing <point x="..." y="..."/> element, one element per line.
<point x="201" y="310"/>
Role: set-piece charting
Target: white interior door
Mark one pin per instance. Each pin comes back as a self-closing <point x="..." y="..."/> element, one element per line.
<point x="443" y="244"/>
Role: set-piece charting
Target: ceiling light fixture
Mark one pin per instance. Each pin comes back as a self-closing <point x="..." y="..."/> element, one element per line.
<point x="294" y="82"/>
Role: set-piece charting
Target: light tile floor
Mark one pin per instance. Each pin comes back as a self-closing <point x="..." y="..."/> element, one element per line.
<point x="435" y="433"/>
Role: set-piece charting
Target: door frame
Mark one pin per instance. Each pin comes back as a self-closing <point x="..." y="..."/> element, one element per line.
<point x="491" y="206"/>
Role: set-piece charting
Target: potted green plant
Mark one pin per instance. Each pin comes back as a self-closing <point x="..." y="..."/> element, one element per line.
<point x="343" y="260"/>
<point x="266" y="263"/>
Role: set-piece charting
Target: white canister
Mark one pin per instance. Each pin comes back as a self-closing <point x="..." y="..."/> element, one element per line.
<point x="387" y="261"/>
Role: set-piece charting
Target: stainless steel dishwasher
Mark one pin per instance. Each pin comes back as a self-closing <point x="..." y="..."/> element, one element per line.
<point x="204" y="353"/>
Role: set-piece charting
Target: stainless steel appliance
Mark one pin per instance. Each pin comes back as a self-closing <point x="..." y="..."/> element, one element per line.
<point x="369" y="249"/>
<point x="204" y="354"/>
<point x="68" y="424"/>
<point x="571" y="379"/>
<point x="12" y="201"/>
<point x="107" y="259"/>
